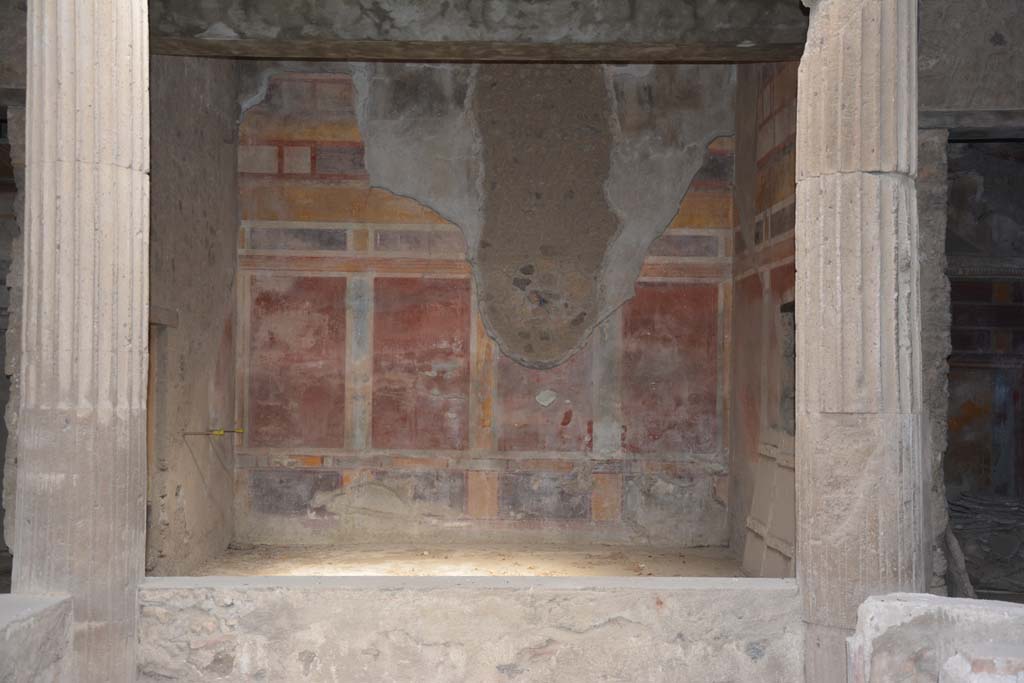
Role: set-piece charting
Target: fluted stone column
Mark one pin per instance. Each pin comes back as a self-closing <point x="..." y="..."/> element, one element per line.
<point x="80" y="525"/>
<point x="861" y="476"/>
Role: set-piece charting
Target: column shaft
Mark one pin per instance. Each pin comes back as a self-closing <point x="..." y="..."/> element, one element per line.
<point x="80" y="527"/>
<point x="861" y="477"/>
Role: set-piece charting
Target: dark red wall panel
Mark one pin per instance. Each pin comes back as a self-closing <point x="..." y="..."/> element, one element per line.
<point x="421" y="363"/>
<point x="670" y="369"/>
<point x="297" y="362"/>
<point x="563" y="425"/>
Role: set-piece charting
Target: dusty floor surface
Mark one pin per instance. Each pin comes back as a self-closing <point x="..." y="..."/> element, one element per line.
<point x="496" y="560"/>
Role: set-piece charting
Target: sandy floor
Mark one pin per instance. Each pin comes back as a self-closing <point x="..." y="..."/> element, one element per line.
<point x="503" y="560"/>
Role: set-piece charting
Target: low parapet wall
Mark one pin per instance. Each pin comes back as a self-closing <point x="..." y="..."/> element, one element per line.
<point x="470" y="629"/>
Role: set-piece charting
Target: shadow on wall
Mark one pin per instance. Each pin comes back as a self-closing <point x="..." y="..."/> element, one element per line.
<point x="9" y="229"/>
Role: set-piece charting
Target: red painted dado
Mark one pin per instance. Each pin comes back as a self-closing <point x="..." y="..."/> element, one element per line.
<point x="297" y="362"/>
<point x="670" y="369"/>
<point x="564" y="425"/>
<point x="421" y="363"/>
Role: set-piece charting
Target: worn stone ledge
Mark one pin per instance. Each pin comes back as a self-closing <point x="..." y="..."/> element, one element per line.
<point x="783" y="587"/>
<point x="479" y="629"/>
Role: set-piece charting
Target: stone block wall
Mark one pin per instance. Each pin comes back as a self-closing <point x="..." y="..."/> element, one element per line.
<point x="916" y="637"/>
<point x="763" y="279"/>
<point x="374" y="401"/>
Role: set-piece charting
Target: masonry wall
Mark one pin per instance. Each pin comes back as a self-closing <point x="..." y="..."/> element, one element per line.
<point x="374" y="402"/>
<point x="909" y="636"/>
<point x="763" y="279"/>
<point x="193" y="233"/>
<point x="985" y="248"/>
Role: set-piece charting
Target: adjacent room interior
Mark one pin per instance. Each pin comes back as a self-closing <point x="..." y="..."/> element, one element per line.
<point x="343" y="381"/>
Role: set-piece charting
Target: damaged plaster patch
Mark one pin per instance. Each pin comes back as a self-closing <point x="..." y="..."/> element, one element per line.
<point x="218" y="30"/>
<point x="546" y="397"/>
<point x="420" y="138"/>
<point x="559" y="176"/>
<point x="547" y="143"/>
<point x="666" y="116"/>
<point x="254" y="77"/>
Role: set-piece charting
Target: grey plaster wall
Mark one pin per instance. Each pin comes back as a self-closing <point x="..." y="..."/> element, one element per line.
<point x="917" y="637"/>
<point x="971" y="57"/>
<point x="434" y="629"/>
<point x="192" y="260"/>
<point x="35" y="639"/>
<point x="495" y="150"/>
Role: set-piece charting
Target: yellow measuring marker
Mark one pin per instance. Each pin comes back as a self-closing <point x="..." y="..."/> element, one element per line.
<point x="215" y="432"/>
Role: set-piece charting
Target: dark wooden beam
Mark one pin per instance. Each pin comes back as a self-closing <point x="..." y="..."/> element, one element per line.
<point x="473" y="51"/>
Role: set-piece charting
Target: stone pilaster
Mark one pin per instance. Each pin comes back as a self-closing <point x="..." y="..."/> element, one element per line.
<point x="359" y="362"/>
<point x="82" y="443"/>
<point x="861" y="477"/>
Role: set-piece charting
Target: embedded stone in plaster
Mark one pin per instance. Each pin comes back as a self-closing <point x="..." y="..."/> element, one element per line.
<point x="559" y="176"/>
<point x="546" y="146"/>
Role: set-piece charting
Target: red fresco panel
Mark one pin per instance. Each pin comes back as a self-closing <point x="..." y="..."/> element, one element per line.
<point x="670" y="369"/>
<point x="421" y="363"/>
<point x="297" y="362"/>
<point x="526" y="425"/>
